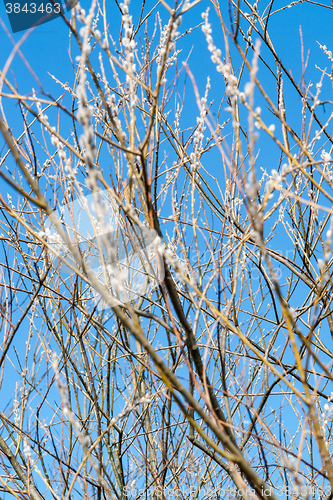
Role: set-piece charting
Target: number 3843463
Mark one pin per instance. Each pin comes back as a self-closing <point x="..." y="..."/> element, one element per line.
<point x="32" y="8"/>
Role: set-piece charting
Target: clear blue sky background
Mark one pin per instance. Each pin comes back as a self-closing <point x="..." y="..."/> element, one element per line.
<point x="46" y="47"/>
<point x="46" y="50"/>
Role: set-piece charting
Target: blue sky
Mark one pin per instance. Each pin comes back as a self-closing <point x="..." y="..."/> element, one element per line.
<point x="46" y="50"/>
<point x="46" y="47"/>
